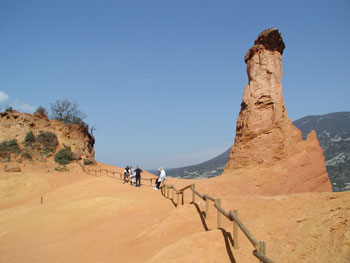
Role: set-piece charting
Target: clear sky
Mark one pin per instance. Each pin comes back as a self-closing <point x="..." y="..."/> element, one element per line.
<point x="162" y="80"/>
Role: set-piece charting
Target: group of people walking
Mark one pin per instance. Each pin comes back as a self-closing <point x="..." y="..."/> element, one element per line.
<point x="134" y="176"/>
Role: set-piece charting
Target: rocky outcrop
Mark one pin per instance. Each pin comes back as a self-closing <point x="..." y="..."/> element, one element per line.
<point x="12" y="168"/>
<point x="16" y="126"/>
<point x="265" y="137"/>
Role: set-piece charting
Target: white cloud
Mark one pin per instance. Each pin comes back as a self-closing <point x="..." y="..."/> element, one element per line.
<point x="16" y="104"/>
<point x="3" y="96"/>
<point x="24" y="107"/>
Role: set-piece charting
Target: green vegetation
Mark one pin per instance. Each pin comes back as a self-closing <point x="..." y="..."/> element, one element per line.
<point x="41" y="111"/>
<point x="10" y="146"/>
<point x="64" y="156"/>
<point x="9" y="109"/>
<point x="7" y="148"/>
<point x="68" y="112"/>
<point x="61" y="168"/>
<point x="29" y="139"/>
<point x="42" y="145"/>
<point x="46" y="142"/>
<point x="88" y="162"/>
<point x="26" y="155"/>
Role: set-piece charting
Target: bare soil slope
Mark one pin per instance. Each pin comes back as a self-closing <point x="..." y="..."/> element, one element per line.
<point x="99" y="219"/>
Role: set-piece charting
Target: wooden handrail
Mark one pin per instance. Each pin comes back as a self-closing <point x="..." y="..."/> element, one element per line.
<point x="245" y="230"/>
<point x="198" y="193"/>
<point x="222" y="211"/>
<point x="232" y="217"/>
<point x="262" y="257"/>
<point x="209" y="197"/>
<point x="185" y="188"/>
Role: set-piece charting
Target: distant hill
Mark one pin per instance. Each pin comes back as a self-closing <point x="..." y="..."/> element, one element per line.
<point x="211" y="168"/>
<point x="333" y="132"/>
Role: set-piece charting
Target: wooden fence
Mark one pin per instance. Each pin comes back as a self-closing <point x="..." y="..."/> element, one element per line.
<point x="258" y="246"/>
<point x="120" y="176"/>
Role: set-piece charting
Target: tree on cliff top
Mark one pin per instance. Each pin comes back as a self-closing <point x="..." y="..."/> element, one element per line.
<point x="67" y="111"/>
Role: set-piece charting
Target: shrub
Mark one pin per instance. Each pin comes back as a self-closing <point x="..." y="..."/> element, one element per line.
<point x="9" y="109"/>
<point x="27" y="156"/>
<point x="64" y="156"/>
<point x="10" y="146"/>
<point x="41" y="111"/>
<point x="5" y="157"/>
<point x="47" y="142"/>
<point x="88" y="162"/>
<point x="29" y="139"/>
<point x="61" y="168"/>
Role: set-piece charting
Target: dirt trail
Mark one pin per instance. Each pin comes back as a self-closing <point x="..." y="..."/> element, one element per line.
<point x="99" y="219"/>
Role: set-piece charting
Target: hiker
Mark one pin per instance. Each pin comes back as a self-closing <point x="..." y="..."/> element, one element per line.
<point x="161" y="178"/>
<point x="155" y="183"/>
<point x="138" y="173"/>
<point x="132" y="176"/>
<point x="126" y="174"/>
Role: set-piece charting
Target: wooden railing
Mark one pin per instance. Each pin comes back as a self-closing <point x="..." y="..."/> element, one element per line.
<point x="259" y="246"/>
<point x="112" y="173"/>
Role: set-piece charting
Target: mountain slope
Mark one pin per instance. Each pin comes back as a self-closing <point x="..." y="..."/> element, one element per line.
<point x="211" y="168"/>
<point x="333" y="133"/>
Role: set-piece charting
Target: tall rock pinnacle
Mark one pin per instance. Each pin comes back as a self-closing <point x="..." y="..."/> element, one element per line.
<point x="265" y="137"/>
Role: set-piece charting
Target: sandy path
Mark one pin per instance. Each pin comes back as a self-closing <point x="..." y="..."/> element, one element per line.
<point x="99" y="219"/>
<point x="94" y="219"/>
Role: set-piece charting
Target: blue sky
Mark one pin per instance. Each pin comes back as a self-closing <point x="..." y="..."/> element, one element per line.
<point x="162" y="80"/>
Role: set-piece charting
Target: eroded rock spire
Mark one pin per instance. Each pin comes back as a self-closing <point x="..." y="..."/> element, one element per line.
<point x="265" y="136"/>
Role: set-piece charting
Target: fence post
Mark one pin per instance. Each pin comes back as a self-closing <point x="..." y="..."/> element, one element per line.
<point x="218" y="203"/>
<point x="206" y="208"/>
<point x="193" y="195"/>
<point x="178" y="201"/>
<point x="183" y="197"/>
<point x="173" y="192"/>
<point x="42" y="200"/>
<point x="235" y="231"/>
<point x="262" y="248"/>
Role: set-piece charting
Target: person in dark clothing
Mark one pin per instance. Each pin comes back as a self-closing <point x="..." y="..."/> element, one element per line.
<point x="126" y="174"/>
<point x="138" y="172"/>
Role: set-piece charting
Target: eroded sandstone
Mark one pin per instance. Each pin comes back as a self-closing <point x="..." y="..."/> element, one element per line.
<point x="265" y="137"/>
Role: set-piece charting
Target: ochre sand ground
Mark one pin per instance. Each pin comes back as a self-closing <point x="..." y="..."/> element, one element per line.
<point x="99" y="219"/>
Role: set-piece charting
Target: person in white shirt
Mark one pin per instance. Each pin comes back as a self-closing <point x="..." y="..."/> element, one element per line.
<point x="161" y="178"/>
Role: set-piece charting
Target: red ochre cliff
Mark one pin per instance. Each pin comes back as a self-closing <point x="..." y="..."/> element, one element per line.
<point x="269" y="153"/>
